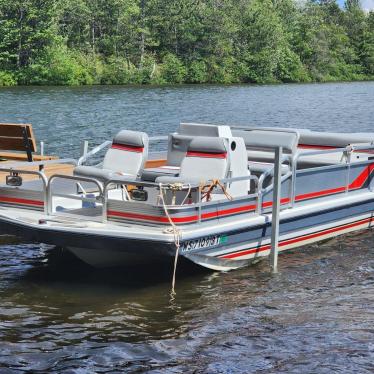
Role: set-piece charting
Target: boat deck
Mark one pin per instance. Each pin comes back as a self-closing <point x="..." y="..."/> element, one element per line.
<point x="49" y="170"/>
<point x="64" y="169"/>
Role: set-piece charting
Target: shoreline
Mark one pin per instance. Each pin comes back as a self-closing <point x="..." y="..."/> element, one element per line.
<point x="178" y="85"/>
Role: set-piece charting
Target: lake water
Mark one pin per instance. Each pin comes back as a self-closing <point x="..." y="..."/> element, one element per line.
<point x="315" y="316"/>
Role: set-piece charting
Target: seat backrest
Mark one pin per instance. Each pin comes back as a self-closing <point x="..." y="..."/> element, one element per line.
<point x="202" y="129"/>
<point x="128" y="153"/>
<point x="333" y="140"/>
<point x="206" y="159"/>
<point x="268" y="140"/>
<point x="178" y="142"/>
<point x="177" y="148"/>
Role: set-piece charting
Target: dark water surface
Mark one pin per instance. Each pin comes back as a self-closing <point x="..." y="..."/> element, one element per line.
<point x="63" y="117"/>
<point x="315" y="316"/>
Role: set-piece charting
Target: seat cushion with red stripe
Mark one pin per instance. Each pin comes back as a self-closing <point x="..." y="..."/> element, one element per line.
<point x="206" y="159"/>
<point x="208" y="145"/>
<point x="127" y="156"/>
<point x="135" y="139"/>
<point x="128" y="152"/>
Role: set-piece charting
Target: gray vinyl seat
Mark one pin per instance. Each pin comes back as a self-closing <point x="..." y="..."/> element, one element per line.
<point x="151" y="174"/>
<point x="334" y="139"/>
<point x="126" y="157"/>
<point x="206" y="159"/>
<point x="177" y="148"/>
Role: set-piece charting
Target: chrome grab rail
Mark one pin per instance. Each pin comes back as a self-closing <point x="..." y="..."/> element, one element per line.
<point x="268" y="173"/>
<point x="15" y="168"/>
<point x="197" y="186"/>
<point x="259" y="190"/>
<point x="348" y="150"/>
<point x="31" y="172"/>
<point x="265" y="190"/>
<point x="74" y="178"/>
<point x="296" y="158"/>
<point x="107" y="143"/>
<point x="93" y="151"/>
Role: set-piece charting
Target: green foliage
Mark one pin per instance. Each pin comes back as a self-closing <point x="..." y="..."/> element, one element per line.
<point x="75" y="42"/>
<point x="197" y="72"/>
<point x="222" y="70"/>
<point x="59" y="66"/>
<point x="117" y="70"/>
<point x="290" y="68"/>
<point x="173" y="70"/>
<point x="7" y="79"/>
<point x="26" y="28"/>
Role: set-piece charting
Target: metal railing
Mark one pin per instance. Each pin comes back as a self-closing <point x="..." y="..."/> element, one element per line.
<point x="185" y="187"/>
<point x="259" y="189"/>
<point x="346" y="153"/>
<point x="87" y="155"/>
<point x="16" y="167"/>
<point x="69" y="196"/>
<point x="40" y="174"/>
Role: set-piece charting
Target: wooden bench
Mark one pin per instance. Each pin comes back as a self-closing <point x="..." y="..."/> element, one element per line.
<point x="19" y="139"/>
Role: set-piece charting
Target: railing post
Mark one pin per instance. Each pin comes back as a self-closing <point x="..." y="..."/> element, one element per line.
<point x="84" y="148"/>
<point x="104" y="215"/>
<point x="49" y="198"/>
<point x="293" y="181"/>
<point x="199" y="201"/>
<point x="348" y="171"/>
<point x="276" y="209"/>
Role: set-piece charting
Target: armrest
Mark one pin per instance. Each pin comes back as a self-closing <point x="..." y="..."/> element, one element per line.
<point x="93" y="152"/>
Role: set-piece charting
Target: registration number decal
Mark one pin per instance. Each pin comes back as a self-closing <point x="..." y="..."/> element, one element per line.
<point x="205" y="242"/>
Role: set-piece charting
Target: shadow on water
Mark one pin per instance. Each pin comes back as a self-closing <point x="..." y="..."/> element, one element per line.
<point x="58" y="314"/>
<point x="54" y="264"/>
<point x="60" y="265"/>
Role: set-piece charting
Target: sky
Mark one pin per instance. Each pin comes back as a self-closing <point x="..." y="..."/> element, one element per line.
<point x="366" y="4"/>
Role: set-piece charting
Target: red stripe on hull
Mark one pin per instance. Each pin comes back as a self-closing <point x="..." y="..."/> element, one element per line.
<point x="312" y="146"/>
<point x="298" y="239"/>
<point x="146" y="217"/>
<point x="5" y="199"/>
<point x="311" y="195"/>
<point x="186" y="219"/>
<point x="362" y="178"/>
<point x="356" y="184"/>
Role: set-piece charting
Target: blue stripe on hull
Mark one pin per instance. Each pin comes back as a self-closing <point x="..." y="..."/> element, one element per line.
<point x="255" y="237"/>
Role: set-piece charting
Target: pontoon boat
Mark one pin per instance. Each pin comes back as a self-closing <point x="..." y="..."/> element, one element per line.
<point x="207" y="187"/>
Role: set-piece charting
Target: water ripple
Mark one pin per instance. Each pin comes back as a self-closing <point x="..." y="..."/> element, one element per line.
<point x="58" y="315"/>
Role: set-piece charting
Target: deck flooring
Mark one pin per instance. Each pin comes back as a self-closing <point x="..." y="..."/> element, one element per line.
<point x="65" y="169"/>
<point x="49" y="170"/>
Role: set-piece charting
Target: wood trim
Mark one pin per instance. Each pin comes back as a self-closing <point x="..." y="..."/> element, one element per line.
<point x="155" y="163"/>
<point x="15" y="144"/>
<point x="11" y="136"/>
<point x="23" y="156"/>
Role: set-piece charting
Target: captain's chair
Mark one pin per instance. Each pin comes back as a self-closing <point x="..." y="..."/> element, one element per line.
<point x="206" y="159"/>
<point x="126" y="157"/>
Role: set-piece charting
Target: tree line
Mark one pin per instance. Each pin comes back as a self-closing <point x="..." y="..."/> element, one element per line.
<point x="78" y="42"/>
